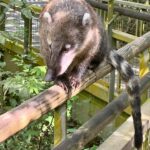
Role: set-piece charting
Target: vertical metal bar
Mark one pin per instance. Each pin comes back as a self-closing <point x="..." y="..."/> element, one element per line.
<point x="60" y="115"/>
<point x="109" y="28"/>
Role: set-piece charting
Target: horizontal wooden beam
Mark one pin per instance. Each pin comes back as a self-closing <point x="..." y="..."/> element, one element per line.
<point x="130" y="4"/>
<point x="92" y="127"/>
<point x="122" y="36"/>
<point x="122" y="11"/>
<point x="14" y="120"/>
<point x="16" y="46"/>
<point x="99" y="91"/>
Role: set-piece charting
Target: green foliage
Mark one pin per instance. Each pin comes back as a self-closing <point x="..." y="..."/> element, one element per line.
<point x="2" y="40"/>
<point x="17" y="3"/>
<point x="94" y="147"/>
<point x="4" y="5"/>
<point x="23" y="85"/>
<point x="25" y="7"/>
<point x="17" y="87"/>
<point x="27" y="12"/>
<point x="69" y="106"/>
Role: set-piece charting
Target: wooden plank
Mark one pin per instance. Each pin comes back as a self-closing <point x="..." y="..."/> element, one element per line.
<point x="122" y="138"/>
<point x="122" y="36"/>
<point x="14" y="120"/>
<point x="99" y="91"/>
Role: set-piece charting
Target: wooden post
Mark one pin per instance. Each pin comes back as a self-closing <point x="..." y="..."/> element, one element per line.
<point x="2" y="28"/>
<point x="109" y="30"/>
<point x="144" y="59"/>
<point x="60" y="115"/>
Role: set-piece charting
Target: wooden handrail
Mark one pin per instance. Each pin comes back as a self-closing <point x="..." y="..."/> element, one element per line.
<point x="121" y="10"/>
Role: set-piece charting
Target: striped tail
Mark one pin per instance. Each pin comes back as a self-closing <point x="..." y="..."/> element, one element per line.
<point x="133" y="90"/>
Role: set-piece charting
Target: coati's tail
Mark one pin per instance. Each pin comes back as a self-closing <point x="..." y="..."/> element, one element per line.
<point x="133" y="90"/>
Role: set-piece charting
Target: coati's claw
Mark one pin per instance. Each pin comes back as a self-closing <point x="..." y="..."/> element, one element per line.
<point x="75" y="82"/>
<point x="48" y="78"/>
<point x="63" y="82"/>
<point x="62" y="85"/>
<point x="49" y="75"/>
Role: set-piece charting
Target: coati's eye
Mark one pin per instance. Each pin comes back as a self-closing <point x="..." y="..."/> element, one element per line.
<point x="49" y="42"/>
<point x="66" y="48"/>
<point x="50" y="46"/>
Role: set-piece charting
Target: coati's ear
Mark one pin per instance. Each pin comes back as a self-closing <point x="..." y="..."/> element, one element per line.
<point x="86" y="20"/>
<point x="47" y="17"/>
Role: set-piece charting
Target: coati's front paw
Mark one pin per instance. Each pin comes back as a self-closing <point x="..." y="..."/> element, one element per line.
<point x="74" y="81"/>
<point x="62" y="85"/>
<point x="64" y="82"/>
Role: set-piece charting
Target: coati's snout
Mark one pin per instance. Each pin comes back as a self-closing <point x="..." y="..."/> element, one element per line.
<point x="62" y="62"/>
<point x="49" y="75"/>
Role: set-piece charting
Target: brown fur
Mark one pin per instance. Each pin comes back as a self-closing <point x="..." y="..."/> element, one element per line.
<point x="66" y="27"/>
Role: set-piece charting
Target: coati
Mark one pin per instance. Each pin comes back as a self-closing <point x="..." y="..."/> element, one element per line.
<point x="73" y="38"/>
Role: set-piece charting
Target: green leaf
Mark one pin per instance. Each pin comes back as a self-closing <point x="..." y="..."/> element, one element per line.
<point x="27" y="12"/>
<point x="2" y="40"/>
<point x="4" y="5"/>
<point x="49" y="119"/>
<point x="2" y="64"/>
<point x="1" y="54"/>
<point x="13" y="102"/>
<point x="93" y="148"/>
<point x="39" y="71"/>
<point x="16" y="3"/>
<point x="71" y="130"/>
